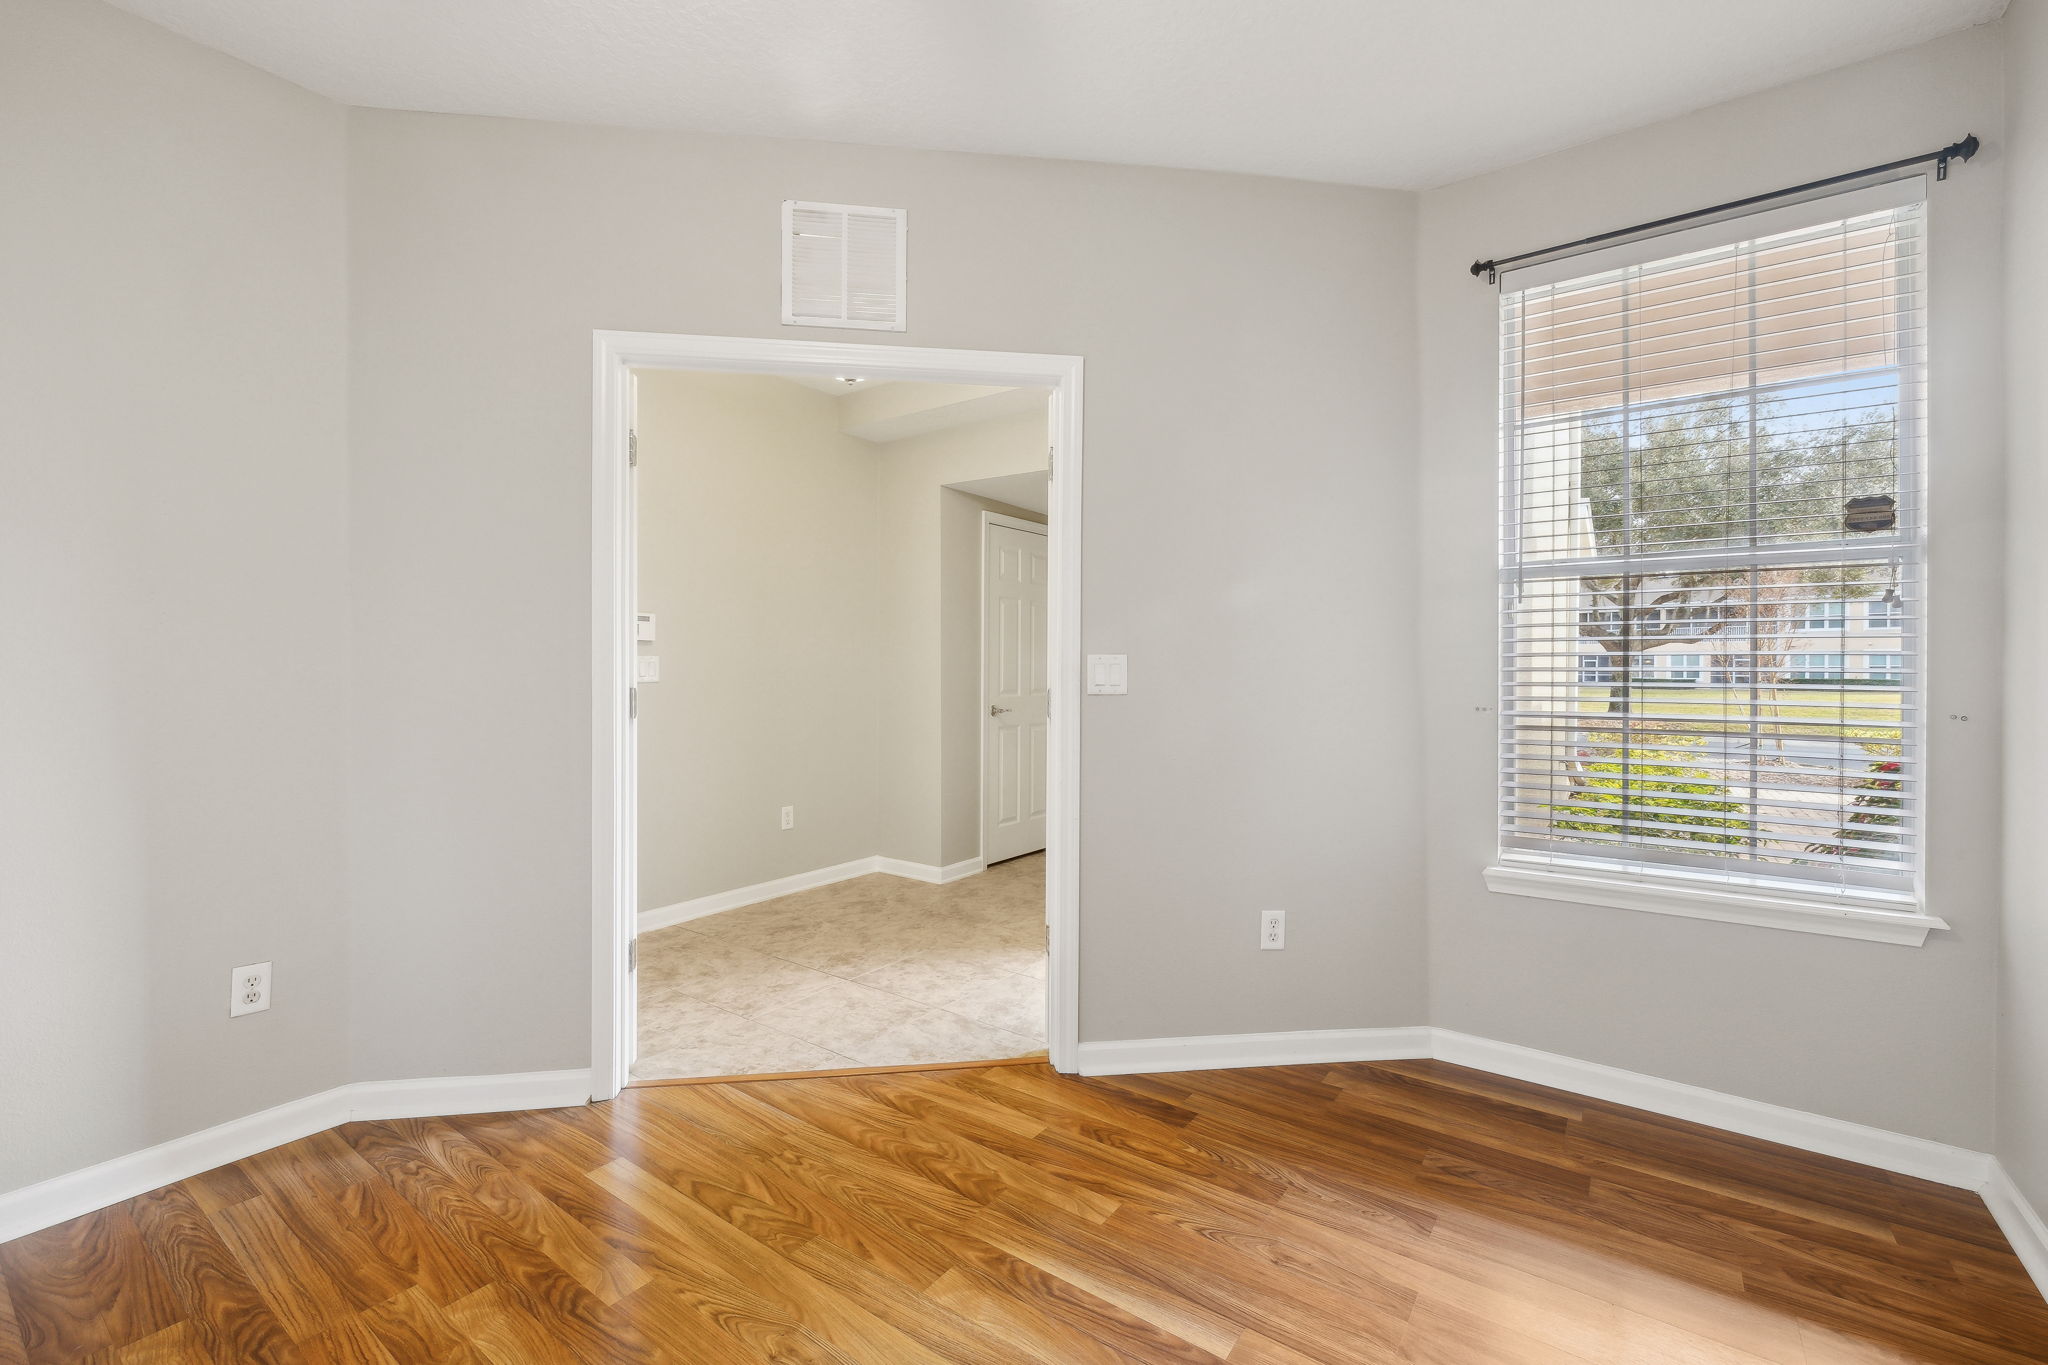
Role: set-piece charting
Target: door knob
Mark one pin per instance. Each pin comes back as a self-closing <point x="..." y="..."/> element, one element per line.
<point x="998" y="710"/>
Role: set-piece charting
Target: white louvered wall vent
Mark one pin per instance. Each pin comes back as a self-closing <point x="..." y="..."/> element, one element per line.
<point x="843" y="266"/>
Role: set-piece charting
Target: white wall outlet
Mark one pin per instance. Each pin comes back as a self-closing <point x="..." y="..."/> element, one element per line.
<point x="789" y="817"/>
<point x="249" y="989"/>
<point x="1273" y="929"/>
<point x="647" y="668"/>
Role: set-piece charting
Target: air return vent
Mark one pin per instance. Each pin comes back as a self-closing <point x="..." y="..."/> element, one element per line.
<point x="842" y="266"/>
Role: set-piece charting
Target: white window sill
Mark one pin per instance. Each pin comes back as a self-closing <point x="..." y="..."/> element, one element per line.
<point x="1759" y="908"/>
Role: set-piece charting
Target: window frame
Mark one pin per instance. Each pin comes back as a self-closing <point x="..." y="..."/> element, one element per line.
<point x="1831" y="616"/>
<point x="1838" y="908"/>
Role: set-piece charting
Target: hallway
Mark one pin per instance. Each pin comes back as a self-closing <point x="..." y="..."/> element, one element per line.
<point x="876" y="971"/>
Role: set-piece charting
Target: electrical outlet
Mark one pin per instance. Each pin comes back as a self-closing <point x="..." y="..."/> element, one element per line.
<point x="789" y="817"/>
<point x="249" y="989"/>
<point x="1273" y="929"/>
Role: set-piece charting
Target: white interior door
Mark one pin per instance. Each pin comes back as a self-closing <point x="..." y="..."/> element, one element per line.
<point x="1015" y="569"/>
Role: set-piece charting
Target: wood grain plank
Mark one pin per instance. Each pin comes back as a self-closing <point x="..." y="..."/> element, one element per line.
<point x="183" y="1344"/>
<point x="764" y="1271"/>
<point x="531" y="1214"/>
<point x="1404" y="1213"/>
<point x="285" y="1272"/>
<point x="85" y="1286"/>
<point x="13" y="1351"/>
<point x="499" y="1328"/>
<point x="213" y="1286"/>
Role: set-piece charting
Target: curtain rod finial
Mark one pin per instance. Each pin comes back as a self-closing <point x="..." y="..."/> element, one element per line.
<point x="1955" y="151"/>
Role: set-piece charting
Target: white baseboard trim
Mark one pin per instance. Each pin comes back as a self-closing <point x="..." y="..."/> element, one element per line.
<point x="1888" y="1151"/>
<point x="64" y="1197"/>
<point x="2021" y="1222"/>
<point x="1253" y="1049"/>
<point x="1795" y="1128"/>
<point x="434" y="1095"/>
<point x="661" y="917"/>
<point x="925" y="872"/>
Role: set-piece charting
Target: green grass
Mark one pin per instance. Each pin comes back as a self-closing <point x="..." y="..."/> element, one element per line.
<point x="1866" y="713"/>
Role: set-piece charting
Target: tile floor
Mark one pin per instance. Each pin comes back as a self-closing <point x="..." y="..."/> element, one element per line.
<point x="877" y="971"/>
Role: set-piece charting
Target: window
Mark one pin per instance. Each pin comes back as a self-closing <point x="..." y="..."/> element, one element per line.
<point x="1715" y="447"/>
<point x="1823" y="616"/>
<point x="1681" y="667"/>
<point x="1816" y="668"/>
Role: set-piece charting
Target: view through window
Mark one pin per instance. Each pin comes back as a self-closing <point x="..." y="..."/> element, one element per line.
<point x="1712" y="552"/>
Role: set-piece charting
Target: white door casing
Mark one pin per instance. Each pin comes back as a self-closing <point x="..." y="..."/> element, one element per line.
<point x="1016" y="566"/>
<point x="613" y="824"/>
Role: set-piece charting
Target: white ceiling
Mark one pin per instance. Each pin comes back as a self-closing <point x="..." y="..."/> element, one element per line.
<point x="1400" y="93"/>
<point x="1032" y="491"/>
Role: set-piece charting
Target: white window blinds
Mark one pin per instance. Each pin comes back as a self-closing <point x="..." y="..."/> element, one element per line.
<point x="1712" y="558"/>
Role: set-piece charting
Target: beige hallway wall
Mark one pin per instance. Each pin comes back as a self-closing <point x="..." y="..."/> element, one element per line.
<point x="961" y="723"/>
<point x="926" y="655"/>
<point x="759" y="555"/>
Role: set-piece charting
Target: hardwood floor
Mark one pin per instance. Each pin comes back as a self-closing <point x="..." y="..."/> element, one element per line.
<point x="1313" y="1215"/>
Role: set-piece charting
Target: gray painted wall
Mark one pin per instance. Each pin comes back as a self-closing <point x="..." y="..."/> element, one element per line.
<point x="178" y="514"/>
<point x="1874" y="1033"/>
<point x="172" y="491"/>
<point x="2023" y="987"/>
<point x="1250" y="350"/>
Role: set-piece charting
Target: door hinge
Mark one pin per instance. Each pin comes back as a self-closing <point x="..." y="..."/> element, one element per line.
<point x="632" y="447"/>
<point x="1051" y="455"/>
<point x="633" y="953"/>
<point x="632" y="703"/>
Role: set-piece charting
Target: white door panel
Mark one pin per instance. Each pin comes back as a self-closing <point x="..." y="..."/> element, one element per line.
<point x="1014" y="708"/>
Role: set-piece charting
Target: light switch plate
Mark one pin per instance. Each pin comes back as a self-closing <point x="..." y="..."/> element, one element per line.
<point x="647" y="668"/>
<point x="1109" y="675"/>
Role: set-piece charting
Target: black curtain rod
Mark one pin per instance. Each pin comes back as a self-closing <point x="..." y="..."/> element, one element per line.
<point x="1955" y="151"/>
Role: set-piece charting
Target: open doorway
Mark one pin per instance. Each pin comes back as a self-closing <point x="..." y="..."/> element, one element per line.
<point x="840" y="737"/>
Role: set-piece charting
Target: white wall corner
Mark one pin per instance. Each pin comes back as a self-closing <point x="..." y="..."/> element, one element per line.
<point x="1877" y="1147"/>
<point x="926" y="872"/>
<point x="64" y="1197"/>
<point x="661" y="917"/>
<point x="430" y="1096"/>
<point x="2021" y="1222"/>
<point x="682" y="911"/>
<point x="1217" y="1051"/>
<point x="60" y="1198"/>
